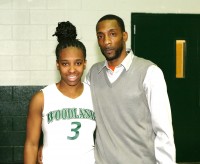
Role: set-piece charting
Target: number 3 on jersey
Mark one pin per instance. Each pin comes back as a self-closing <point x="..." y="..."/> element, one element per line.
<point x="75" y="130"/>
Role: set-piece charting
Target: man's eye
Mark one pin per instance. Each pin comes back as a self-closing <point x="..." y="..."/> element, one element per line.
<point x="99" y="36"/>
<point x="113" y="34"/>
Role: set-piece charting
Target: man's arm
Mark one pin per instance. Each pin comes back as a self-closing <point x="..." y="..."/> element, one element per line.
<point x="160" y="109"/>
<point x="87" y="78"/>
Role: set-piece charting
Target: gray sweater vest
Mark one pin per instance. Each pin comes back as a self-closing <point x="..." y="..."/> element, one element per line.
<point x="124" y="129"/>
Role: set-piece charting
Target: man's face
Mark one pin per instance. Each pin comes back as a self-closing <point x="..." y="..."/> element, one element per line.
<point x="111" y="39"/>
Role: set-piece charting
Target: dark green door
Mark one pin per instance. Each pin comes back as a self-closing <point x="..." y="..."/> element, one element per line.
<point x="155" y="36"/>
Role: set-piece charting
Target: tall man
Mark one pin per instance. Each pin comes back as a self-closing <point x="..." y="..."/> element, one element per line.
<point x="131" y="103"/>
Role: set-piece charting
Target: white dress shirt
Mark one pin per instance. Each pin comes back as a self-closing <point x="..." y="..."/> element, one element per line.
<point x="159" y="106"/>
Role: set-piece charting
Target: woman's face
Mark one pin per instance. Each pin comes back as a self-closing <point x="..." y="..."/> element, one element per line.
<point x="71" y="64"/>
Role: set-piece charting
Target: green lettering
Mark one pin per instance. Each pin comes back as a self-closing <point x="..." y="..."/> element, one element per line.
<point x="72" y="113"/>
<point x="64" y="114"/>
<point x="57" y="115"/>
<point x="50" y="117"/>
<point x="81" y="113"/>
<point x="87" y="113"/>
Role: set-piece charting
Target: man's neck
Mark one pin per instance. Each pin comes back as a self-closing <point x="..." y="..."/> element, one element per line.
<point x="118" y="61"/>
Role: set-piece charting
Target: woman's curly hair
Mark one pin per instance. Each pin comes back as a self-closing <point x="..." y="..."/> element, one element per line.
<point x="66" y="36"/>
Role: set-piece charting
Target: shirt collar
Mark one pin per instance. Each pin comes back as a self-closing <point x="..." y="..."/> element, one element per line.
<point x="126" y="63"/>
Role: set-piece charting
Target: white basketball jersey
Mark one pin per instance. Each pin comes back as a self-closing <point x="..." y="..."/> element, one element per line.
<point x="68" y="126"/>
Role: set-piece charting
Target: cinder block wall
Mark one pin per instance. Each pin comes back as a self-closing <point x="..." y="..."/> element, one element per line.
<point x="14" y="102"/>
<point x="27" y="48"/>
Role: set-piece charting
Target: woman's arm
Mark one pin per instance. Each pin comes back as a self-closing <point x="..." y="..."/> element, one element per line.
<point x="33" y="129"/>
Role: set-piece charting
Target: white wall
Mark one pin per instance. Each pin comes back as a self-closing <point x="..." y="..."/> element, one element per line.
<point x="26" y="26"/>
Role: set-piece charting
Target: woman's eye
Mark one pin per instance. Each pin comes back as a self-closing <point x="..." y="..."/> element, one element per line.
<point x="64" y="64"/>
<point x="78" y="63"/>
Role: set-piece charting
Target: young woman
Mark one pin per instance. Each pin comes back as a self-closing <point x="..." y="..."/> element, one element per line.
<point x="64" y="111"/>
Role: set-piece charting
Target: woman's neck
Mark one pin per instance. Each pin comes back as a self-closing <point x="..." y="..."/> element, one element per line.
<point x="70" y="91"/>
